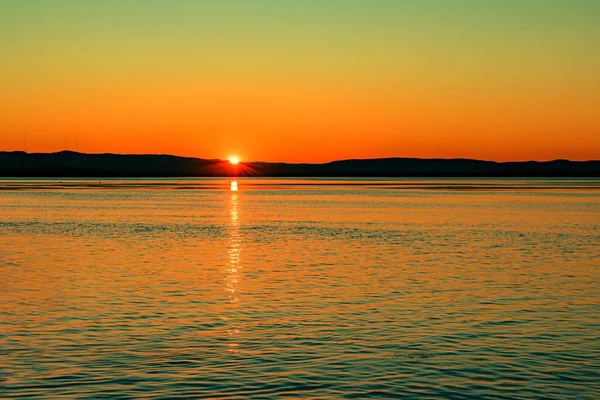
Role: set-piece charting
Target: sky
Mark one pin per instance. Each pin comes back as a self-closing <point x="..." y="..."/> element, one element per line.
<point x="303" y="80"/>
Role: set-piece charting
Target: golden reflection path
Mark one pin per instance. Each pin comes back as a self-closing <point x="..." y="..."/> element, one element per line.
<point x="234" y="267"/>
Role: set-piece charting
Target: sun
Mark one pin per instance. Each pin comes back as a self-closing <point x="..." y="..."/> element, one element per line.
<point x="234" y="160"/>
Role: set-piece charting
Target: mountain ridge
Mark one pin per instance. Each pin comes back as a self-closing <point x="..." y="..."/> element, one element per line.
<point x="69" y="163"/>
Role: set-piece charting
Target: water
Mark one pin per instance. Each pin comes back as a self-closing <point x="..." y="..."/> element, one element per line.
<point x="300" y="289"/>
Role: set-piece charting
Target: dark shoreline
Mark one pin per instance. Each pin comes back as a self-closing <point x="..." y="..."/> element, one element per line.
<point x="80" y="165"/>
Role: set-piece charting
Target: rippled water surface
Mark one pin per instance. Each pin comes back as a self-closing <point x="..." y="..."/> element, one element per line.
<point x="300" y="289"/>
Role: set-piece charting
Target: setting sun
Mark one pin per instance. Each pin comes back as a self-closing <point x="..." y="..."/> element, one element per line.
<point x="234" y="160"/>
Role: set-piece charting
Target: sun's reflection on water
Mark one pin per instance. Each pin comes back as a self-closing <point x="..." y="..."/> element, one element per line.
<point x="234" y="267"/>
<point x="234" y="251"/>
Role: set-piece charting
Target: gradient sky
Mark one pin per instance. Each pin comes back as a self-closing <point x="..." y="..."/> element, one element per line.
<point x="303" y="80"/>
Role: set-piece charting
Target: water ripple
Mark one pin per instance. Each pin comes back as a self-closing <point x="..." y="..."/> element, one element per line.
<point x="299" y="293"/>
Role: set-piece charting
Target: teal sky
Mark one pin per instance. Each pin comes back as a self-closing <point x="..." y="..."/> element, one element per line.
<point x="486" y="79"/>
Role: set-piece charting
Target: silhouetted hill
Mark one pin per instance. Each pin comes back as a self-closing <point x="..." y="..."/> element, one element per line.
<point x="68" y="163"/>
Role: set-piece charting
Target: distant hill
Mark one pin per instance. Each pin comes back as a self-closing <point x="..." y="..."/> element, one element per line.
<point x="72" y="164"/>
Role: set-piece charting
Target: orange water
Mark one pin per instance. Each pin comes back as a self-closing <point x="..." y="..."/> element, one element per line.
<point x="299" y="288"/>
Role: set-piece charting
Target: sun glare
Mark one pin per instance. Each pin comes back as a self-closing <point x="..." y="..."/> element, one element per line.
<point x="234" y="160"/>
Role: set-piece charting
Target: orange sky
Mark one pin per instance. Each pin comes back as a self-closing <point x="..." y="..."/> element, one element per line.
<point x="310" y="81"/>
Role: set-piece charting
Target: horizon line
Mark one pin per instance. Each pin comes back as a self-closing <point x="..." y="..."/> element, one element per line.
<point x="298" y="162"/>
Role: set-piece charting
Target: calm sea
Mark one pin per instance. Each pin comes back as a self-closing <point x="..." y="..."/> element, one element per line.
<point x="319" y="289"/>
